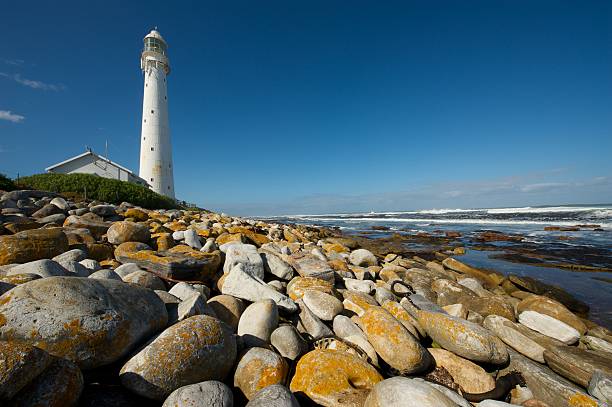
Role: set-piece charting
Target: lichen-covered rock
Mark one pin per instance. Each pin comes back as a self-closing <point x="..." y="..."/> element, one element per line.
<point x="309" y="265"/>
<point x="463" y="338"/>
<point x="393" y="343"/>
<point x="31" y="245"/>
<point x="211" y="393"/>
<point x="299" y="285"/>
<point x="92" y="322"/>
<point x="400" y="313"/>
<point x="471" y="377"/>
<point x="334" y="378"/>
<point x="358" y="302"/>
<point x="126" y="231"/>
<point x="19" y="365"/>
<point x="577" y="364"/>
<point x="259" y="368"/>
<point x="96" y="226"/>
<point x="59" y="385"/>
<point x="405" y="392"/>
<point x="197" y="349"/>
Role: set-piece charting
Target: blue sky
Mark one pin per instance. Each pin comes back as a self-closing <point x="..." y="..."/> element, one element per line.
<point x="323" y="106"/>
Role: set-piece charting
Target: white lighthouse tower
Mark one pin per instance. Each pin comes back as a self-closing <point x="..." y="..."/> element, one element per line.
<point x="155" y="147"/>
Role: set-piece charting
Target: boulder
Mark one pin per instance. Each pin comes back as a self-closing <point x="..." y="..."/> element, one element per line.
<point x="334" y="378"/>
<point x="288" y="342"/>
<point x="363" y="258"/>
<point x="92" y="322"/>
<point x="577" y="364"/>
<point x="506" y="330"/>
<point x="346" y="329"/>
<point x="299" y="285"/>
<point x="243" y="285"/>
<point x="257" y="323"/>
<point x="197" y="349"/>
<point x="126" y="231"/>
<point x="145" y="279"/>
<point x="393" y="343"/>
<point x="324" y="306"/>
<point x="463" y="338"/>
<point x="406" y="392"/>
<point x="549" y="326"/>
<point x="552" y="308"/>
<point x="471" y="377"/>
<point x="43" y="268"/>
<point x="275" y="395"/>
<point x="192" y="239"/>
<point x="257" y="369"/>
<point x="247" y="255"/>
<point x="600" y="387"/>
<point x="211" y="393"/>
<point x="310" y="324"/>
<point x="58" y="385"/>
<point x="275" y="265"/>
<point x="31" y="245"/>
<point x="228" y="309"/>
<point x="19" y="365"/>
<point x="97" y="227"/>
<point x="310" y="265"/>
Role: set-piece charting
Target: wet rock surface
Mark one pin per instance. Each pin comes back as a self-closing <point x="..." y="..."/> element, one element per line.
<point x="113" y="305"/>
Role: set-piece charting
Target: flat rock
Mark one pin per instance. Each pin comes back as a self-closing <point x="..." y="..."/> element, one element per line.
<point x="600" y="387"/>
<point x="577" y="365"/>
<point x="310" y="324"/>
<point x="166" y="264"/>
<point x="30" y="245"/>
<point x="506" y="330"/>
<point x="552" y="308"/>
<point x="328" y="377"/>
<point x="197" y="349"/>
<point x="309" y="265"/>
<point x="259" y="368"/>
<point x="145" y="279"/>
<point x="346" y="329"/>
<point x="92" y="322"/>
<point x="257" y="323"/>
<point x="549" y="326"/>
<point x="463" y="338"/>
<point x="299" y="285"/>
<point x="393" y="342"/>
<point x="471" y="377"/>
<point x="546" y="385"/>
<point x="275" y="265"/>
<point x="363" y="258"/>
<point x="105" y="274"/>
<point x="243" y="285"/>
<point x="210" y="393"/>
<point x="405" y="392"/>
<point x="274" y="395"/>
<point x="97" y="227"/>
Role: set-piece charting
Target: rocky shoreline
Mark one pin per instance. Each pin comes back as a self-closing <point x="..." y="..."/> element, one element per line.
<point x="115" y="305"/>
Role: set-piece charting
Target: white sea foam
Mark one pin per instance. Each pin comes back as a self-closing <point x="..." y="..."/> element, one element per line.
<point x="547" y="209"/>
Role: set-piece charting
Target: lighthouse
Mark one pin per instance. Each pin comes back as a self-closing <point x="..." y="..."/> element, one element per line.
<point x="155" y="147"/>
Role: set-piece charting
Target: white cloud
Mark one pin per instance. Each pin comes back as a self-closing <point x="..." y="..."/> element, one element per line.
<point x="543" y="186"/>
<point x="10" y="116"/>
<point x="15" y="62"/>
<point x="32" y="83"/>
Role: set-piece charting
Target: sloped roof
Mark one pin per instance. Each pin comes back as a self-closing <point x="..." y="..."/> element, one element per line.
<point x="97" y="156"/>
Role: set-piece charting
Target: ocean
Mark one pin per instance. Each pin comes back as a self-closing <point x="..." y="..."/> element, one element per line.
<point x="590" y="245"/>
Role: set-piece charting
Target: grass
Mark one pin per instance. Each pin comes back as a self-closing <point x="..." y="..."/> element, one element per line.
<point x="94" y="187"/>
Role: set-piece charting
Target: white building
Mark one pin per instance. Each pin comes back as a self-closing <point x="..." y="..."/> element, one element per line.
<point x="92" y="163"/>
<point x="155" y="147"/>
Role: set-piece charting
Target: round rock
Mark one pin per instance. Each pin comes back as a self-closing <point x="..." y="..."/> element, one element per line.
<point x="205" y="394"/>
<point x="257" y="323"/>
<point x="323" y="305"/>
<point x="275" y="395"/>
<point x="259" y="368"/>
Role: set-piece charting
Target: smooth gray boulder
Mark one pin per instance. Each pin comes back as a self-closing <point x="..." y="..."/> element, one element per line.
<point x="311" y="324"/>
<point x="404" y="392"/>
<point x="323" y="305"/>
<point x="71" y="255"/>
<point x="549" y="326"/>
<point x="600" y="386"/>
<point x="43" y="268"/>
<point x="127" y="268"/>
<point x="504" y="329"/>
<point x="247" y="287"/>
<point x="275" y="395"/>
<point x="288" y="342"/>
<point x="275" y="265"/>
<point x="257" y="323"/>
<point x="105" y="274"/>
<point x="92" y="322"/>
<point x="211" y="393"/>
<point x="363" y="258"/>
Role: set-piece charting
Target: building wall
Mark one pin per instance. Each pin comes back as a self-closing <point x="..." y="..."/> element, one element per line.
<point x="92" y="165"/>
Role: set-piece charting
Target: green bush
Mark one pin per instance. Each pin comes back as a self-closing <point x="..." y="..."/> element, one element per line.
<point x="6" y="184"/>
<point x="99" y="188"/>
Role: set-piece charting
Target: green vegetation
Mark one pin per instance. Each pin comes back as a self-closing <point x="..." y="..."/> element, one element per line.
<point x="6" y="184"/>
<point x="94" y="187"/>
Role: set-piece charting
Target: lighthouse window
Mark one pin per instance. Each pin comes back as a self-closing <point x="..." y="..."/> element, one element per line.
<point x="168" y="186"/>
<point x="145" y="120"/>
<point x="165" y="97"/>
<point x="151" y="179"/>
<point x="151" y="148"/>
<point x="152" y="111"/>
